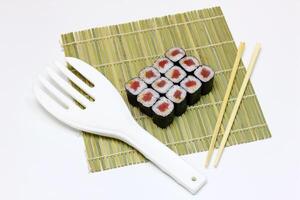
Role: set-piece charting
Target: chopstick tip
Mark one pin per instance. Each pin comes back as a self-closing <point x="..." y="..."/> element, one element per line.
<point x="206" y="165"/>
<point x="216" y="163"/>
<point x="258" y="45"/>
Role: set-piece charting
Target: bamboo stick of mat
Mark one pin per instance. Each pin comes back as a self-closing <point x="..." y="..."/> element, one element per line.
<point x="225" y="101"/>
<point x="237" y="103"/>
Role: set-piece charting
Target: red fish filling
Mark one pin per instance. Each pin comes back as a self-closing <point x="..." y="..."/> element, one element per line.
<point x="205" y="72"/>
<point x="175" y="52"/>
<point x="147" y="96"/>
<point x="149" y="74"/>
<point x="161" y="83"/>
<point x="134" y="85"/>
<point x="162" y="63"/>
<point x="177" y="94"/>
<point x="163" y="107"/>
<point x="176" y="73"/>
<point x="189" y="62"/>
<point x="190" y="83"/>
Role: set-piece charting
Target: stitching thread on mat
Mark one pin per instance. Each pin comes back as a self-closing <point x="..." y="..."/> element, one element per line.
<point x="156" y="56"/>
<point x="141" y="31"/>
<point x="180" y="142"/>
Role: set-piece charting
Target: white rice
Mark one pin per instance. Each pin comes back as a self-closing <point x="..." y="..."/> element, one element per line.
<point x="139" y="89"/>
<point x="192" y="89"/>
<point x="171" y="92"/>
<point x="152" y="100"/>
<point x="158" y="103"/>
<point x="151" y="79"/>
<point x="198" y="74"/>
<point x="191" y="67"/>
<point x="166" y="67"/>
<point x="178" y="56"/>
<point x="163" y="89"/>
<point x="169" y="74"/>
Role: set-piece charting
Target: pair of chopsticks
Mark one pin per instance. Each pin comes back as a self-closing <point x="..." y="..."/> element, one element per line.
<point x="236" y="105"/>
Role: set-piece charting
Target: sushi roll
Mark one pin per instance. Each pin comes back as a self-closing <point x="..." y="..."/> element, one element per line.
<point x="163" y="111"/>
<point x="175" y="74"/>
<point x="206" y="75"/>
<point x="146" y="99"/>
<point x="193" y="87"/>
<point x="163" y="64"/>
<point x="134" y="87"/>
<point x="178" y="96"/>
<point x="149" y="75"/>
<point x="162" y="85"/>
<point x="175" y="54"/>
<point x="189" y="64"/>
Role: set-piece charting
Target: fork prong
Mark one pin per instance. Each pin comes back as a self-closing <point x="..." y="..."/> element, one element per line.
<point x="75" y="79"/>
<point x="58" y="94"/>
<point x="83" y="68"/>
<point x="50" y="104"/>
<point x="68" y="88"/>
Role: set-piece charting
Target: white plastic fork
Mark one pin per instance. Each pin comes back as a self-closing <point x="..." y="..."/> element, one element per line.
<point x="108" y="115"/>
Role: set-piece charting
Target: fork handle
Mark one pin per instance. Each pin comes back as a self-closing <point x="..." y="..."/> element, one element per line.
<point x="165" y="159"/>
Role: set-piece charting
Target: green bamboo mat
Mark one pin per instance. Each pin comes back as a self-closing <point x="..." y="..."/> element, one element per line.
<point x="121" y="51"/>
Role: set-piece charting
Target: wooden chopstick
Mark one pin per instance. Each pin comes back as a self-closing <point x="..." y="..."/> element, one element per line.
<point x="224" y="104"/>
<point x="237" y="103"/>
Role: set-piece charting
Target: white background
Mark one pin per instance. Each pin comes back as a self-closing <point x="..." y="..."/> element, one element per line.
<point x="42" y="159"/>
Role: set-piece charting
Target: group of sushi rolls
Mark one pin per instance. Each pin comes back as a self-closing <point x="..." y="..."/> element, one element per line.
<point x="167" y="88"/>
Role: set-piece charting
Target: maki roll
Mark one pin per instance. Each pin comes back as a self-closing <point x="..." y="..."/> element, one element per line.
<point x="163" y="111"/>
<point x="189" y="64"/>
<point x="162" y="85"/>
<point x="175" y="54"/>
<point x="146" y="99"/>
<point x="134" y="87"/>
<point x="178" y="96"/>
<point x="175" y="74"/>
<point x="163" y="64"/>
<point x="149" y="75"/>
<point x="193" y="87"/>
<point x="206" y="76"/>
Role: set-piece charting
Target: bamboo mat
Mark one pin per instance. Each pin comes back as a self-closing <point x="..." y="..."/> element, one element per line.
<point x="121" y="51"/>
